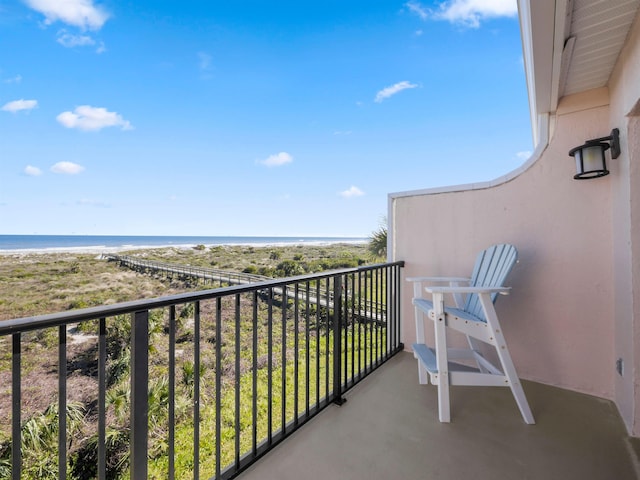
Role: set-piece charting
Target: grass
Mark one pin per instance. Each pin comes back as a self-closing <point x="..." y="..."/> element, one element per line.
<point x="318" y="356"/>
<point x="37" y="284"/>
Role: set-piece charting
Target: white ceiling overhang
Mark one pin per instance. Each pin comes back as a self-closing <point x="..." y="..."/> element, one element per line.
<point x="570" y="46"/>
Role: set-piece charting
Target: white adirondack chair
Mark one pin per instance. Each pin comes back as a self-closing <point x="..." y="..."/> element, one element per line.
<point x="474" y="315"/>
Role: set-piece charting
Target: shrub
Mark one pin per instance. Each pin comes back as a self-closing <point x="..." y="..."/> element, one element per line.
<point x="288" y="268"/>
<point x="266" y="271"/>
<point x="77" y="304"/>
<point x="275" y="255"/>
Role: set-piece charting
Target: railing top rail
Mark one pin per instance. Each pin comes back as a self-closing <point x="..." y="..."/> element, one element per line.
<point x="185" y="268"/>
<point x="8" y="327"/>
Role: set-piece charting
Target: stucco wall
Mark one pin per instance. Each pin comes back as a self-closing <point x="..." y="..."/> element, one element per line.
<point x="625" y="113"/>
<point x="558" y="319"/>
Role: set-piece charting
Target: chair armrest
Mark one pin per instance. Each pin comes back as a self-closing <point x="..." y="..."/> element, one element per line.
<point x="501" y="290"/>
<point x="452" y="281"/>
<point x="438" y="279"/>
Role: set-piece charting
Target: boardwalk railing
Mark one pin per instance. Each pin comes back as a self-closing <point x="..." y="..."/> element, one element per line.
<point x="197" y="385"/>
<point x="213" y="275"/>
<point x="209" y="275"/>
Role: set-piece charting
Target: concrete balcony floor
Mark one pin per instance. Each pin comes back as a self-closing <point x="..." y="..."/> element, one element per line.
<point x="389" y="429"/>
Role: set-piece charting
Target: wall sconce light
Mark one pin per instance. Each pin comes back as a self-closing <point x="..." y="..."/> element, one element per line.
<point x="590" y="159"/>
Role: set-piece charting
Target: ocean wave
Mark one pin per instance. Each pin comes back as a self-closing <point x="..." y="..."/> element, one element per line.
<point x="97" y="249"/>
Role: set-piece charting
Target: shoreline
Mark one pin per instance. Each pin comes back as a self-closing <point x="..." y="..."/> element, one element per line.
<point x="103" y="249"/>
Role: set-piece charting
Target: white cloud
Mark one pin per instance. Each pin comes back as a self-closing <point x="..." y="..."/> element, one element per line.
<point x="16" y="79"/>
<point x="88" y="118"/>
<point x="471" y="12"/>
<point x="392" y="90"/>
<point x="67" y="168"/>
<point x="524" y="155"/>
<point x="18" y="105"/>
<point x="32" y="171"/>
<point x="418" y="9"/>
<point x="353" y="191"/>
<point x="466" y="12"/>
<point x="79" y="13"/>
<point x="70" y="40"/>
<point x="277" y="160"/>
<point x="101" y="48"/>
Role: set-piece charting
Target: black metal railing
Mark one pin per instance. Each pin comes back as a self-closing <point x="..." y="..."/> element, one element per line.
<point x="196" y="385"/>
<point x="203" y="274"/>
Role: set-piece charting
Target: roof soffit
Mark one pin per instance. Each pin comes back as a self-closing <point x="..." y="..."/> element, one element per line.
<point x="570" y="46"/>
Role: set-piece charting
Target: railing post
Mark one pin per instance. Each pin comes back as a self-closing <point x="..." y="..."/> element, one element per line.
<point x="139" y="393"/>
<point x="396" y="302"/>
<point x="16" y="403"/>
<point x="62" y="401"/>
<point x="102" y="399"/>
<point x="337" y="340"/>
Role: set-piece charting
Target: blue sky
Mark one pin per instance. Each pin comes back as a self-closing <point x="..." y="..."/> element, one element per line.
<point x="249" y="118"/>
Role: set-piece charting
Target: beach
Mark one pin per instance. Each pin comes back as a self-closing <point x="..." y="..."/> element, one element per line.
<point x="41" y="281"/>
<point x="43" y="244"/>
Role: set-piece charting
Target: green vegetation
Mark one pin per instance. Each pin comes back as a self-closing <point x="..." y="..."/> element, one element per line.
<point x="40" y="440"/>
<point x="377" y="245"/>
<point x="62" y="281"/>
<point x="36" y="284"/>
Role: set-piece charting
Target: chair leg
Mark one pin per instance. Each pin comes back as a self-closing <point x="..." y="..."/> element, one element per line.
<point x="423" y="376"/>
<point x="505" y="359"/>
<point x="442" y="360"/>
<point x="521" y="400"/>
<point x="514" y="380"/>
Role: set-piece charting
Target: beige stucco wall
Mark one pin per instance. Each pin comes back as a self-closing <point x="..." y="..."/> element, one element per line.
<point x="624" y="114"/>
<point x="575" y="305"/>
<point x="558" y="319"/>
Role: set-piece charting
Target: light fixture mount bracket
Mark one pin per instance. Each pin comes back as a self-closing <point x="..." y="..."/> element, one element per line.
<point x="614" y="142"/>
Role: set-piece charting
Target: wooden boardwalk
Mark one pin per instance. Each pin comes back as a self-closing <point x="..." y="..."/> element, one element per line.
<point x="370" y="311"/>
<point x="171" y="270"/>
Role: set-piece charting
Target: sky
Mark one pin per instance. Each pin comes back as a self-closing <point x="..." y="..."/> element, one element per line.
<point x="266" y="118"/>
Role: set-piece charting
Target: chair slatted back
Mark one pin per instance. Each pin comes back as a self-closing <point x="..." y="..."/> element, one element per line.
<point x="491" y="270"/>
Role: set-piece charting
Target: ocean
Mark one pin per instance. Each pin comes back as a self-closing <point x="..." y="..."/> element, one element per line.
<point x="107" y="243"/>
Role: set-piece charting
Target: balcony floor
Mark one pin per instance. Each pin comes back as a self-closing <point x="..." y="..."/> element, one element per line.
<point x="389" y="429"/>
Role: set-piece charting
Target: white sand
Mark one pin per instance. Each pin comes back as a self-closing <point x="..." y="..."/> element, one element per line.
<point x="101" y="249"/>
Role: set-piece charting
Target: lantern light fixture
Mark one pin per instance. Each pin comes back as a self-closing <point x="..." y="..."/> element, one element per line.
<point x="590" y="157"/>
